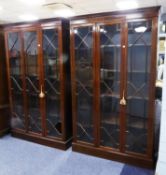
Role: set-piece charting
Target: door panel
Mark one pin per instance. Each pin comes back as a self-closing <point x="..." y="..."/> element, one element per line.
<point x="14" y="46"/>
<point x="83" y="51"/>
<point x="52" y="82"/>
<point x="32" y="80"/>
<point x="138" y="81"/>
<point x="110" y="62"/>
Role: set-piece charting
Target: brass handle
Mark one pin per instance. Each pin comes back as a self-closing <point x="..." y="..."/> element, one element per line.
<point x="41" y="95"/>
<point x="123" y="101"/>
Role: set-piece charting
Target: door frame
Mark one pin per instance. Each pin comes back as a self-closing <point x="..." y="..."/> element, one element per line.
<point x="122" y="109"/>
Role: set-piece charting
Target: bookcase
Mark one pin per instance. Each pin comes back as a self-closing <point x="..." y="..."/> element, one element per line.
<point x="39" y="82"/>
<point x="113" y="70"/>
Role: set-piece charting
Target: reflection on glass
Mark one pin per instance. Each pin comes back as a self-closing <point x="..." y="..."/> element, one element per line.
<point x="84" y="94"/>
<point x="18" y="120"/>
<point x="160" y="66"/>
<point x="32" y="80"/>
<point x="139" y="58"/>
<point x="110" y="57"/>
<point x="52" y="81"/>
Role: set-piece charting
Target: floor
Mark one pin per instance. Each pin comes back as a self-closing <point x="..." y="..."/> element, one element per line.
<point x="20" y="157"/>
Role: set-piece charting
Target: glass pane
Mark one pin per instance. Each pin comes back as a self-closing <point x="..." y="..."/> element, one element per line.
<point x="139" y="58"/>
<point x="84" y="94"/>
<point x="110" y="61"/>
<point x="52" y="81"/>
<point x="18" y="120"/>
<point x="32" y="80"/>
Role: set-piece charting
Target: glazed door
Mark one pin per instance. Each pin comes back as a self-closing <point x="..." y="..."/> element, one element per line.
<point x="15" y="72"/>
<point x="52" y="81"/>
<point x="82" y="82"/>
<point x="139" y="78"/>
<point x="110" y="83"/>
<point x="32" y="77"/>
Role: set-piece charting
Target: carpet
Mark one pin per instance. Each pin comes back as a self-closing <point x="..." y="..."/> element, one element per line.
<point x="20" y="157"/>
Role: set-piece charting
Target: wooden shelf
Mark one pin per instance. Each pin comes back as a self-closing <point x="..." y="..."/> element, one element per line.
<point x="109" y="70"/>
<point x="112" y="120"/>
<point x="135" y="71"/>
<point x="119" y="46"/>
<point x="138" y="122"/>
<point x="88" y="107"/>
<point x="55" y="115"/>
<point x="104" y="95"/>
<point x="118" y="71"/>
<point x="52" y="97"/>
<point x="31" y="75"/>
<point x="15" y="75"/>
<point x="137" y="98"/>
<point x="52" y="77"/>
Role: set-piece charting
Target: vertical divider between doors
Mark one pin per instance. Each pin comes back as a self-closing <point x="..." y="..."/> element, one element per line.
<point x="41" y="80"/>
<point x="123" y="84"/>
<point x="97" y="85"/>
<point x="62" y="81"/>
<point x="23" y="74"/>
<point x="8" y="72"/>
<point x="73" y="83"/>
<point x="151" y="106"/>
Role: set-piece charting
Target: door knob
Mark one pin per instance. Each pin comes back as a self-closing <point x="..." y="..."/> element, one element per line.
<point x="41" y="95"/>
<point x="123" y="101"/>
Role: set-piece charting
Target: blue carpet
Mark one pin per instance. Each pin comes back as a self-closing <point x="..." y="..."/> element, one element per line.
<point x="131" y="170"/>
<point x="20" y="157"/>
